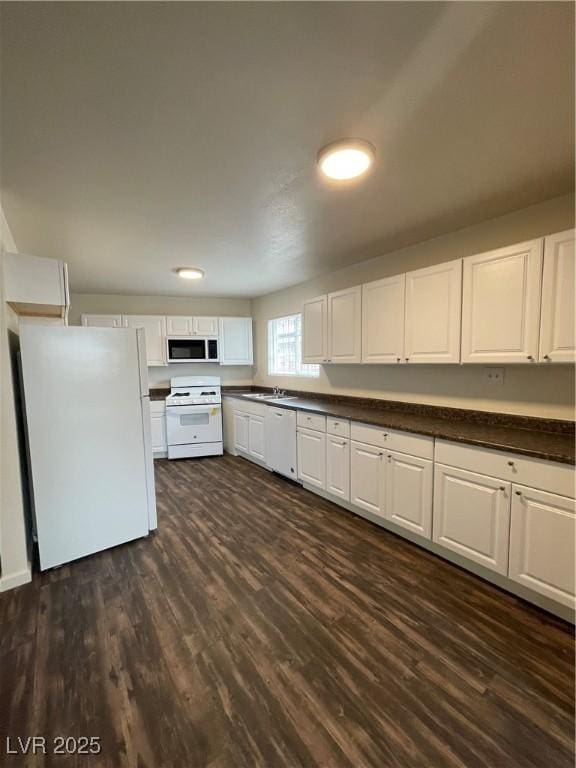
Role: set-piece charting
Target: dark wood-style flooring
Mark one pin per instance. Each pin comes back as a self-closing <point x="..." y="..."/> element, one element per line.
<point x="264" y="626"/>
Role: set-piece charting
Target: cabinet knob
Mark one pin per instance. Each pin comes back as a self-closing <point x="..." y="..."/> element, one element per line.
<point x="384" y="434"/>
<point x="398" y="359"/>
<point x="530" y="357"/>
<point x="518" y="493"/>
<point x="510" y="463"/>
<point x="407" y="359"/>
<point x="502" y="488"/>
<point x="546" y="357"/>
<point x="380" y="454"/>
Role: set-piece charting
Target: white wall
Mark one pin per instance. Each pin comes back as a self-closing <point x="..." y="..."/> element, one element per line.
<point x="84" y="303"/>
<point x="14" y="560"/>
<point x="546" y="391"/>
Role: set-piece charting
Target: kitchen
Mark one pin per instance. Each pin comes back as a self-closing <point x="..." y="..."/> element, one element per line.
<point x="330" y="452"/>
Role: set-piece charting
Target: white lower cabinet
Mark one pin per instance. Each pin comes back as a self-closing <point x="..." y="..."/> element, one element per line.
<point x="158" y="427"/>
<point x="366" y="482"/>
<point x="256" y="437"/>
<point x="472" y="516"/>
<point x="542" y="532"/>
<point x="338" y="466"/>
<point x="241" y="431"/>
<point x="312" y="457"/>
<point x="408" y="492"/>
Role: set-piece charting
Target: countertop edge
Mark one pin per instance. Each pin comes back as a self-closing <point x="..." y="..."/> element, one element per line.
<point x="491" y="445"/>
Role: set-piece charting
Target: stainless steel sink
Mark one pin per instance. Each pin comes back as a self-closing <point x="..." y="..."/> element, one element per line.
<point x="266" y="396"/>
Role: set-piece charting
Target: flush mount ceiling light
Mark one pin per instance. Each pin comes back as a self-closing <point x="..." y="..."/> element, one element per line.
<point x="346" y="159"/>
<point x="190" y="273"/>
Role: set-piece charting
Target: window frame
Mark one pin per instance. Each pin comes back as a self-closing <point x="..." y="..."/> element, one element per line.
<point x="313" y="368"/>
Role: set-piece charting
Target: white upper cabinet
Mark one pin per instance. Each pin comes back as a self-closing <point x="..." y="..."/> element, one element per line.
<point x="235" y="341"/>
<point x="383" y="320"/>
<point x="557" y="338"/>
<point x="542" y="533"/>
<point x="205" y="326"/>
<point x="155" y="331"/>
<point x="315" y="330"/>
<point x="36" y="286"/>
<point x="501" y="304"/>
<point x="433" y="311"/>
<point x="345" y="326"/>
<point x="103" y="321"/>
<point x="177" y="325"/>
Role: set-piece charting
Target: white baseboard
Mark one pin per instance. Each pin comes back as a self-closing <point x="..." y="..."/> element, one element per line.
<point x="13" y="580"/>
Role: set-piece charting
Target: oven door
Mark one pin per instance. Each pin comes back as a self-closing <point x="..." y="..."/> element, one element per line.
<point x="186" y="424"/>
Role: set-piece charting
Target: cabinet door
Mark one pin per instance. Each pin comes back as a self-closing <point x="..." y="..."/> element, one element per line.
<point x="256" y="437"/>
<point x="155" y="331"/>
<point x="36" y="285"/>
<point x="501" y="304"/>
<point x="366" y="477"/>
<point x="408" y="492"/>
<point x="177" y="325"/>
<point x="338" y="466"/>
<point x="383" y="320"/>
<point x="315" y="330"/>
<point x="241" y="430"/>
<point x="557" y="337"/>
<point x="542" y="532"/>
<point x="158" y="422"/>
<point x="102" y="321"/>
<point x="345" y="326"/>
<point x="312" y="457"/>
<point x="206" y="326"/>
<point x="235" y="341"/>
<point x="472" y="516"/>
<point x="433" y="312"/>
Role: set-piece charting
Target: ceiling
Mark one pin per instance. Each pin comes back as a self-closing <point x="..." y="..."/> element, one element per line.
<point x="138" y="137"/>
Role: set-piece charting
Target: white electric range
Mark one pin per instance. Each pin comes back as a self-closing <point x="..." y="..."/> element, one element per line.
<point x="194" y="417"/>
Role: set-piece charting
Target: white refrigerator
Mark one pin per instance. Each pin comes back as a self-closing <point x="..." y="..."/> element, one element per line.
<point x="87" y="414"/>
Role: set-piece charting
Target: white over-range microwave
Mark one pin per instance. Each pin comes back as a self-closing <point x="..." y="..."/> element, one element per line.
<point x="192" y="349"/>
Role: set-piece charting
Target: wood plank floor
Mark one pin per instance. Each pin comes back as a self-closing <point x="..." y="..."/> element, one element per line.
<point x="264" y="626"/>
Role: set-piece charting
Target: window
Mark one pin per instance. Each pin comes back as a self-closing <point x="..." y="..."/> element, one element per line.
<point x="285" y="348"/>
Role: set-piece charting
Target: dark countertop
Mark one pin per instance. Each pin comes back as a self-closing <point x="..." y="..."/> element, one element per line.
<point x="159" y="393"/>
<point x="523" y="435"/>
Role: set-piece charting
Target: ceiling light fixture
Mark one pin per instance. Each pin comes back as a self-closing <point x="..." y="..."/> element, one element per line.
<point x="346" y="158"/>
<point x="190" y="273"/>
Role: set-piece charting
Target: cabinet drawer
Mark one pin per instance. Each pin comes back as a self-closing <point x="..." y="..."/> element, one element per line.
<point x="523" y="470"/>
<point x="340" y="427"/>
<point x="405" y="442"/>
<point x="311" y="421"/>
<point x="157" y="407"/>
<point x="247" y="406"/>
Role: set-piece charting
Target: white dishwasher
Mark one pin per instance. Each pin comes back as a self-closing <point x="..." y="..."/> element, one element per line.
<point x="281" y="441"/>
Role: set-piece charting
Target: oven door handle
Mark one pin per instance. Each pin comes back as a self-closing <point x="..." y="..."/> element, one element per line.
<point x="179" y="410"/>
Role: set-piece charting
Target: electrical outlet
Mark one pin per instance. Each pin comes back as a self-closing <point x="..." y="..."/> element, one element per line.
<point x="494" y="376"/>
